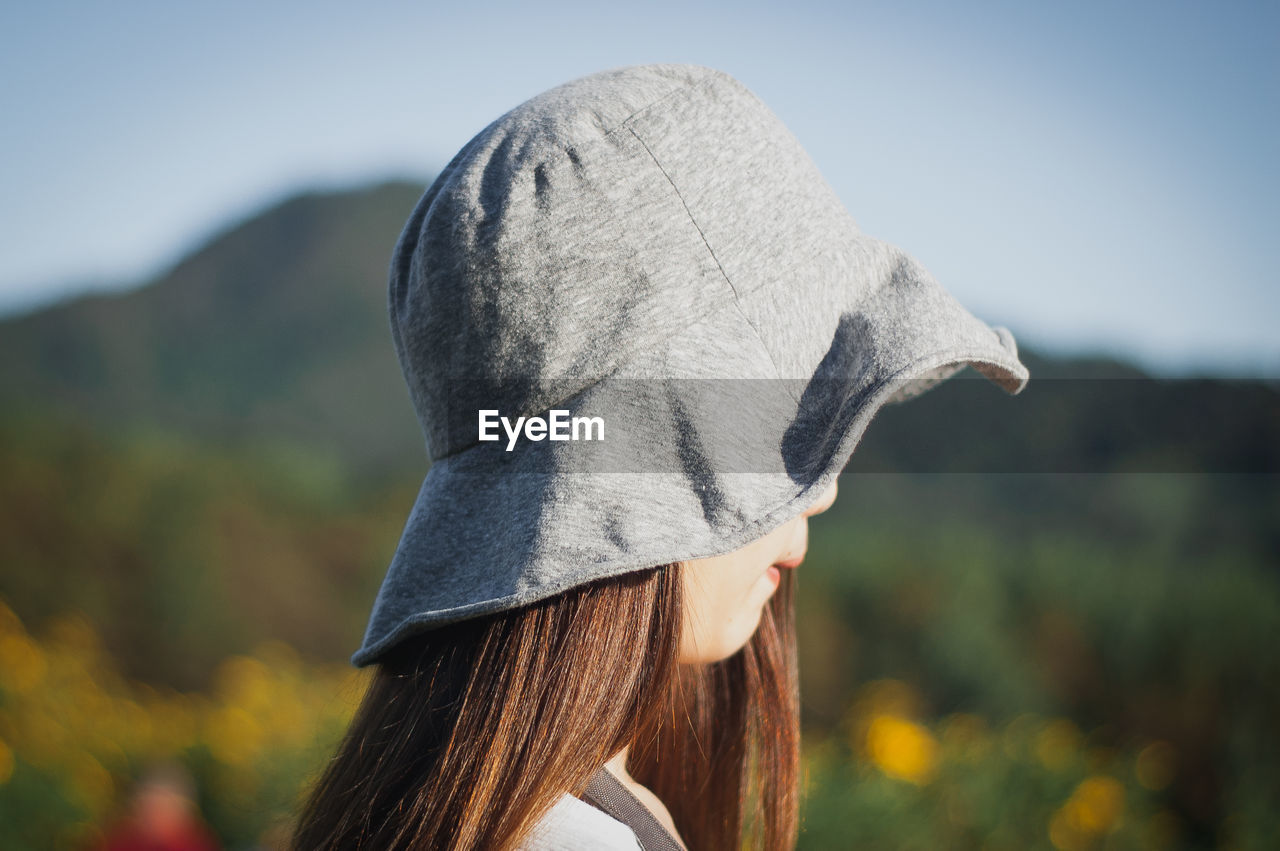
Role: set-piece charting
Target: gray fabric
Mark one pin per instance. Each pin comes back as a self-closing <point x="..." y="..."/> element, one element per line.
<point x="574" y="825"/>
<point x="651" y="244"/>
<point x="608" y="794"/>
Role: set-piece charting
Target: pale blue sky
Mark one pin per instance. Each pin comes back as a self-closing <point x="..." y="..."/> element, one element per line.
<point x="1090" y="176"/>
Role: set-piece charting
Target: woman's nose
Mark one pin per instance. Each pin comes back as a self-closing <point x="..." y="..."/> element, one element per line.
<point x="824" y="502"/>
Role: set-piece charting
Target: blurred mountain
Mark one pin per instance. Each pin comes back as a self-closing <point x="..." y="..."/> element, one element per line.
<point x="276" y="327"/>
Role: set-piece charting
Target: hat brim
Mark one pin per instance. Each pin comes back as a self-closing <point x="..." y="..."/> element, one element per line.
<point x="493" y="529"/>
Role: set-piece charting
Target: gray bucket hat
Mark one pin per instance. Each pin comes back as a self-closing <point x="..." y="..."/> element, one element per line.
<point x="648" y="253"/>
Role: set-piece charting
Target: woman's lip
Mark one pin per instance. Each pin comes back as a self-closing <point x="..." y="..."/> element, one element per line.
<point x="792" y="563"/>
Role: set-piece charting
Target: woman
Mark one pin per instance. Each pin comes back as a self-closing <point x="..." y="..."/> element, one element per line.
<point x="642" y="336"/>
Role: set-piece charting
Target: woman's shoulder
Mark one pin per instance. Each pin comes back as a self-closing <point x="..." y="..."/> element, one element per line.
<point x="574" y="825"/>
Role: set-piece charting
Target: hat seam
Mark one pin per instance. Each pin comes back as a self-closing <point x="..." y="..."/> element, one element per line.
<point x="737" y="299"/>
<point x="568" y="147"/>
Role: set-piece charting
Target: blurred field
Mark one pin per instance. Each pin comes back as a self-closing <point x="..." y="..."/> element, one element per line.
<point x="74" y="734"/>
<point x="987" y="661"/>
<point x="1044" y="662"/>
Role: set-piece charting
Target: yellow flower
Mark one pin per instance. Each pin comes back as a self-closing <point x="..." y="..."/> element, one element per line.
<point x="1094" y="808"/>
<point x="1057" y="743"/>
<point x="901" y="748"/>
<point x="22" y="662"/>
<point x="245" y="682"/>
<point x="234" y="736"/>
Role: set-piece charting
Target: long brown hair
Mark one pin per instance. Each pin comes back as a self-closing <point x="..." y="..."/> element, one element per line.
<point x="469" y="733"/>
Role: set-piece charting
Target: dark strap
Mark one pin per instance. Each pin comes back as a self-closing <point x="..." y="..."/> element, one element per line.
<point x="606" y="792"/>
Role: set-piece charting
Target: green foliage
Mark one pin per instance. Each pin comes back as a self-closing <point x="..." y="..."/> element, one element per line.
<point x="1121" y="602"/>
<point x="184" y="552"/>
